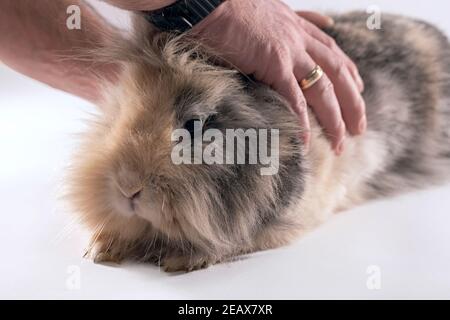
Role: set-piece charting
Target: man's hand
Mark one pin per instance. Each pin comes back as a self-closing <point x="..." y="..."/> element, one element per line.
<point x="35" y="41"/>
<point x="260" y="37"/>
<point x="279" y="47"/>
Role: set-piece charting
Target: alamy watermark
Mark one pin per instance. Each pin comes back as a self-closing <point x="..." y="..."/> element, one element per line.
<point x="234" y="146"/>
<point x="374" y="20"/>
<point x="374" y="277"/>
<point x="73" y="21"/>
<point x="73" y="280"/>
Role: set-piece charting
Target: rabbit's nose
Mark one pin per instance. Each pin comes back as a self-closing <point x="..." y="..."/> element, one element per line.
<point x="135" y="195"/>
<point x="129" y="193"/>
<point x="133" y="199"/>
<point x="132" y="196"/>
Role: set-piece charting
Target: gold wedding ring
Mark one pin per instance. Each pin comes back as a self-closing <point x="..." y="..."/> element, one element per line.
<point x="311" y="78"/>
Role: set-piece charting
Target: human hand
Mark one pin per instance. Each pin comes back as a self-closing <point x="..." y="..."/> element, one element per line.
<point x="280" y="48"/>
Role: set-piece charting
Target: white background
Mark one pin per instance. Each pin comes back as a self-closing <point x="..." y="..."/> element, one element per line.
<point x="41" y="249"/>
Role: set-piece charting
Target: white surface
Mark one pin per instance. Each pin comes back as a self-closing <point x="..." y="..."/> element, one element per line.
<point x="408" y="238"/>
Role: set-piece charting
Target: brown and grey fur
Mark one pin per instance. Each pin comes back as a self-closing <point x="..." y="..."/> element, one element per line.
<point x="191" y="216"/>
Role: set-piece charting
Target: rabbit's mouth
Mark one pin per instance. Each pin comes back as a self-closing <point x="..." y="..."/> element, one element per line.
<point x="146" y="206"/>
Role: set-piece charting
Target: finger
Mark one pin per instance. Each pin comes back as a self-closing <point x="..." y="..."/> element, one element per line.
<point x="316" y="18"/>
<point x="319" y="35"/>
<point x="331" y="44"/>
<point x="348" y="95"/>
<point x="322" y="99"/>
<point x="289" y="88"/>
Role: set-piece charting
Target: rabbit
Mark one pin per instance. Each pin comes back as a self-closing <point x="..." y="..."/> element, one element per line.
<point x="139" y="205"/>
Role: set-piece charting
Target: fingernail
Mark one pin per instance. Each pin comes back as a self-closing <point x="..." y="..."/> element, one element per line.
<point x="330" y="22"/>
<point x="306" y="141"/>
<point x="362" y="124"/>
<point x="360" y="83"/>
<point x="340" y="147"/>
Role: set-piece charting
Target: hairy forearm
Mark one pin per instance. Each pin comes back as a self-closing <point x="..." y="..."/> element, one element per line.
<point x="35" y="41"/>
<point x="136" y="5"/>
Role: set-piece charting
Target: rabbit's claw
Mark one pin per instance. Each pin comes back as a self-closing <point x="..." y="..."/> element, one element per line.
<point x="104" y="251"/>
<point x="186" y="263"/>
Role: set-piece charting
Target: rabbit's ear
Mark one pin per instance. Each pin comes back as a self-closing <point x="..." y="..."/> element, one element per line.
<point x="128" y="46"/>
<point x="147" y="42"/>
<point x="143" y="30"/>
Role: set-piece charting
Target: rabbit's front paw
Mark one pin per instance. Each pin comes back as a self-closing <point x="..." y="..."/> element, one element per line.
<point x="106" y="250"/>
<point x="187" y="263"/>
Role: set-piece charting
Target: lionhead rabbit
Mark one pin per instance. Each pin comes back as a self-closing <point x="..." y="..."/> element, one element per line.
<point x="140" y="205"/>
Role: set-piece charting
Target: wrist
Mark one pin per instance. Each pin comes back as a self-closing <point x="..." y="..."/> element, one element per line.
<point x="222" y="12"/>
<point x="184" y="15"/>
<point x="141" y="5"/>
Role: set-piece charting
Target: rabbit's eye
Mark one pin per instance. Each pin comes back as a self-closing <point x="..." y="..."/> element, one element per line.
<point x="210" y="122"/>
<point x="198" y="125"/>
<point x="192" y="125"/>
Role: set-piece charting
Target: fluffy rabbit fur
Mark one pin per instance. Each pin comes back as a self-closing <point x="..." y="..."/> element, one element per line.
<point x="186" y="217"/>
